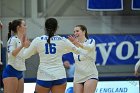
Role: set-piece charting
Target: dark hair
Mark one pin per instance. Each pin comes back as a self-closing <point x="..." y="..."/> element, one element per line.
<point x="13" y="26"/>
<point x="50" y="27"/>
<point x="83" y="28"/>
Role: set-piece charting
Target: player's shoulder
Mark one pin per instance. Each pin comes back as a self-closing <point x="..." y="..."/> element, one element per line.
<point x="61" y="37"/>
<point x="12" y="39"/>
<point x="43" y="37"/>
<point x="58" y="37"/>
<point x="90" y="40"/>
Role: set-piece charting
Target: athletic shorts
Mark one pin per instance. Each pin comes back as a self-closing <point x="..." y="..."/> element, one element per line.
<point x="49" y="84"/>
<point x="9" y="71"/>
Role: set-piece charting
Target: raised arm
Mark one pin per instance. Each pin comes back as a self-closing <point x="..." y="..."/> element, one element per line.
<point x="70" y="47"/>
<point x="31" y="50"/>
<point x="88" y="46"/>
<point x="12" y="48"/>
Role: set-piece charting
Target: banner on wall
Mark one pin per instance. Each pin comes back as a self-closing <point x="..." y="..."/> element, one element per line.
<point x="102" y="87"/>
<point x="104" y="5"/>
<point x="111" y="87"/>
<point x="135" y="5"/>
<point x="117" y="49"/>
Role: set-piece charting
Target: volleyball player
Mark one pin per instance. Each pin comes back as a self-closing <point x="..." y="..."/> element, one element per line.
<point x="51" y="75"/>
<point x="86" y="74"/>
<point x="13" y="73"/>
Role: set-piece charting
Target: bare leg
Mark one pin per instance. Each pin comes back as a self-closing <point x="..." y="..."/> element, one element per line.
<point x="58" y="88"/>
<point x="20" y="86"/>
<point x="78" y="88"/>
<point x="10" y="85"/>
<point x="90" y="86"/>
<point x="40" y="89"/>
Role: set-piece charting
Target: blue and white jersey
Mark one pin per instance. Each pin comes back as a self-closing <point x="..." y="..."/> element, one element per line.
<point x="85" y="67"/>
<point x="51" y="65"/>
<point x="16" y="62"/>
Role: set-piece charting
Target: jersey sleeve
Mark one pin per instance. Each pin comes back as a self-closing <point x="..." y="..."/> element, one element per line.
<point x="90" y="45"/>
<point x="31" y="50"/>
<point x="11" y="45"/>
<point x="69" y="47"/>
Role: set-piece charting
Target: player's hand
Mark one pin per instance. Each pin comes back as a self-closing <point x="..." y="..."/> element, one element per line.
<point x="67" y="64"/>
<point x="72" y="38"/>
<point x="23" y="40"/>
<point x="26" y="42"/>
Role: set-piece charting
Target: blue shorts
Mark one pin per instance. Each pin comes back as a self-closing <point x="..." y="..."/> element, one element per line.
<point x="9" y="71"/>
<point x="49" y="84"/>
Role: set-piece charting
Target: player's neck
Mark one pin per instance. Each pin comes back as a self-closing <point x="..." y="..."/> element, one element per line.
<point x="82" y="39"/>
<point x="19" y="35"/>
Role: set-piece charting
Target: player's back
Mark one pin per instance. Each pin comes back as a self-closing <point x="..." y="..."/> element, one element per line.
<point x="51" y="53"/>
<point x="50" y="57"/>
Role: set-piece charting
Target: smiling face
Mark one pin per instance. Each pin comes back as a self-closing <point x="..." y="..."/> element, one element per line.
<point x="78" y="32"/>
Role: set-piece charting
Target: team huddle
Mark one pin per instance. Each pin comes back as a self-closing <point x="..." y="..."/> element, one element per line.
<point x="51" y="74"/>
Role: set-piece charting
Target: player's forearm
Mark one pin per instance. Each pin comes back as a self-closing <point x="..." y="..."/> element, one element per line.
<point x="16" y="51"/>
<point x="83" y="46"/>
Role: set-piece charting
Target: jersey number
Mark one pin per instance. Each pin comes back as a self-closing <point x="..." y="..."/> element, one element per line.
<point x="50" y="48"/>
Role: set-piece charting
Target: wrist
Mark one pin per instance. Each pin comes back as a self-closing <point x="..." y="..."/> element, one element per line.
<point x="81" y="45"/>
<point x="74" y="42"/>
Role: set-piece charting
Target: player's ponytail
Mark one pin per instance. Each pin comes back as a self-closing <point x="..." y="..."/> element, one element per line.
<point x="51" y="27"/>
<point x="9" y="29"/>
<point x="50" y="34"/>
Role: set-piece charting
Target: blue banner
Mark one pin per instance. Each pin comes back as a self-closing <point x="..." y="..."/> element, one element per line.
<point x="117" y="49"/>
<point x="105" y="5"/>
<point x="135" y="5"/>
